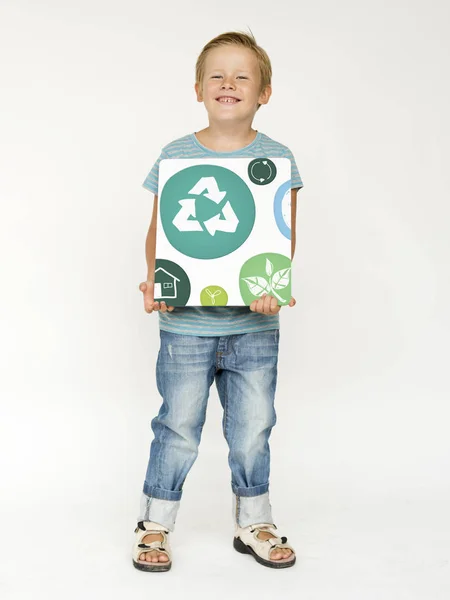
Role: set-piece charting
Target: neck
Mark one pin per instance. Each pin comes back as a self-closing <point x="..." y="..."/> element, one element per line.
<point x="225" y="137"/>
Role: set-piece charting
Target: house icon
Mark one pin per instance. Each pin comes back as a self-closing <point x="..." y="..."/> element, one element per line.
<point x="165" y="284"/>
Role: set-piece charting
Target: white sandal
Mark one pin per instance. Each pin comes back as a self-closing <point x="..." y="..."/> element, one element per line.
<point x="246" y="541"/>
<point x="144" y="528"/>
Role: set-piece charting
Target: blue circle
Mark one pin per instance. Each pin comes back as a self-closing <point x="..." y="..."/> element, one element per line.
<point x="277" y="204"/>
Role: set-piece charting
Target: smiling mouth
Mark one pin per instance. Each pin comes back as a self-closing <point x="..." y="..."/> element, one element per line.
<point x="227" y="100"/>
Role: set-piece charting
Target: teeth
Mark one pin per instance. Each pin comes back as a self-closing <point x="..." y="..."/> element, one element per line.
<point x="230" y="100"/>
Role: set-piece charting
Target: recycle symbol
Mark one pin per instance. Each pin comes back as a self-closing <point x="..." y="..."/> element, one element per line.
<point x="207" y="211"/>
<point x="262" y="171"/>
<point x="226" y="220"/>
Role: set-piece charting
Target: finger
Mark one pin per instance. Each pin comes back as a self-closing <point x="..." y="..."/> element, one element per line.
<point x="274" y="308"/>
<point x="253" y="305"/>
<point x="292" y="302"/>
<point x="260" y="305"/>
<point x="262" y="302"/>
<point x="266" y="305"/>
<point x="142" y="286"/>
<point x="156" y="306"/>
<point x="170" y="308"/>
<point x="256" y="304"/>
<point x="163" y="307"/>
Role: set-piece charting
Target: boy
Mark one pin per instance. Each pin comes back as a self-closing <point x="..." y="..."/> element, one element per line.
<point x="235" y="346"/>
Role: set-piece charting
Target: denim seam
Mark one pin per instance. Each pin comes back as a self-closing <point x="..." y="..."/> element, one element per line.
<point x="225" y="410"/>
<point x="159" y="470"/>
<point x="147" y="509"/>
<point x="161" y="444"/>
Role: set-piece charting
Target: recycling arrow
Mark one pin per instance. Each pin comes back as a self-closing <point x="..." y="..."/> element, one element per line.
<point x="228" y="224"/>
<point x="266" y="164"/>
<point x="262" y="171"/>
<point x="229" y="221"/>
<point x="207" y="211"/>
<point x="182" y="221"/>
<point x="210" y="184"/>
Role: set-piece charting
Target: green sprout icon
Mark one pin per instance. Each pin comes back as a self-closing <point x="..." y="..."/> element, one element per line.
<point x="213" y="295"/>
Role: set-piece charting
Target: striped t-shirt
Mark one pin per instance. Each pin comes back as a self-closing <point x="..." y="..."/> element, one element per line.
<point x="226" y="320"/>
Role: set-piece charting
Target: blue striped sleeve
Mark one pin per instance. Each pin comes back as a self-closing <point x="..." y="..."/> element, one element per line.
<point x="151" y="181"/>
<point x="296" y="180"/>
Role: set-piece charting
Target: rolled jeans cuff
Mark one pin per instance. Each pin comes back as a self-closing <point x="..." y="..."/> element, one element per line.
<point x="159" y="511"/>
<point x="154" y="492"/>
<point x="257" y="490"/>
<point x="248" y="510"/>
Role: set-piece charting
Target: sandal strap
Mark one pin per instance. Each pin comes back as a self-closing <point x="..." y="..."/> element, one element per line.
<point x="147" y="527"/>
<point x="151" y="526"/>
<point x="269" y="528"/>
<point x="144" y="528"/>
<point x="249" y="535"/>
<point x="150" y="548"/>
<point x="156" y="545"/>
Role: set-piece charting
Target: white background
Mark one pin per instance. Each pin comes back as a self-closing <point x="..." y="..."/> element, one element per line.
<point x="90" y="92"/>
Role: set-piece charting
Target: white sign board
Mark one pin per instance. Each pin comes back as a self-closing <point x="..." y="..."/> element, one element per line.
<point x="223" y="232"/>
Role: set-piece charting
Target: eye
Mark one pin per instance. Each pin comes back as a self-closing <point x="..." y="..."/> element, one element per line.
<point x="241" y="77"/>
<point x="215" y="76"/>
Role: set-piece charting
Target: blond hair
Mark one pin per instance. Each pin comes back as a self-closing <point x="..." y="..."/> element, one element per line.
<point x="239" y="39"/>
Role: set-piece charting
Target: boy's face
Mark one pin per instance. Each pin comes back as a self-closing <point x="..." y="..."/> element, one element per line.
<point x="231" y="86"/>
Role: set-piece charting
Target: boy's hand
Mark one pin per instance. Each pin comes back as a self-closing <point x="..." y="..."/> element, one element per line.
<point x="148" y="289"/>
<point x="268" y="305"/>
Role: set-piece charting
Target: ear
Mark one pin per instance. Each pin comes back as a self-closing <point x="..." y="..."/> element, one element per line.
<point x="265" y="95"/>
<point x="198" y="92"/>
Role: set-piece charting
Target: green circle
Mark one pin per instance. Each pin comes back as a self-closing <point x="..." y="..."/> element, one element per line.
<point x="172" y="284"/>
<point x="213" y="295"/>
<point x="262" y="171"/>
<point x="203" y="227"/>
<point x="268" y="273"/>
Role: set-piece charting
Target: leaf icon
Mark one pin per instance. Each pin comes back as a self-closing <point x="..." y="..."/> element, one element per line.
<point x="257" y="285"/>
<point x="269" y="267"/>
<point x="281" y="279"/>
<point x="208" y="291"/>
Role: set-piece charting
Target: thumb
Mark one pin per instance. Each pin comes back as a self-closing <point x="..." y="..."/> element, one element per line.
<point x="147" y="286"/>
<point x="148" y="289"/>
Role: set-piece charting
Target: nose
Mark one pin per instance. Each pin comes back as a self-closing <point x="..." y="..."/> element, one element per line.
<point x="227" y="83"/>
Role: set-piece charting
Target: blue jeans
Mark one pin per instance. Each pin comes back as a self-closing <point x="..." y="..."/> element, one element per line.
<point x="245" y="370"/>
